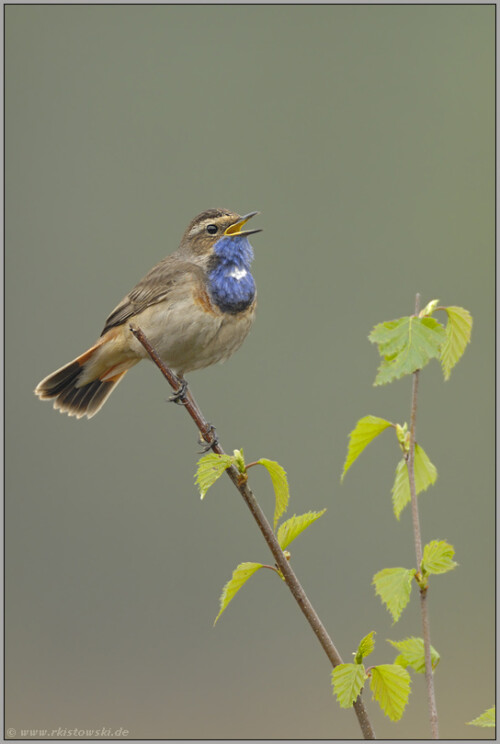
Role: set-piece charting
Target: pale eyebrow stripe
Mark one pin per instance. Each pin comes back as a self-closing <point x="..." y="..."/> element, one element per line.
<point x="196" y="228"/>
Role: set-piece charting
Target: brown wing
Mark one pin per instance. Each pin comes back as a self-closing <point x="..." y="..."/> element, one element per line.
<point x="154" y="287"/>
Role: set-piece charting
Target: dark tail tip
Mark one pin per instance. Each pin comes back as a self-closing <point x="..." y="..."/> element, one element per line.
<point x="62" y="387"/>
<point x="59" y="382"/>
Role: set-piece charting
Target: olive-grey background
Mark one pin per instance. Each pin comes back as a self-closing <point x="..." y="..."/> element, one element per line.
<point x="365" y="135"/>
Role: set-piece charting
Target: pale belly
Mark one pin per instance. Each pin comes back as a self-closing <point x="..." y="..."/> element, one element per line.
<point x="188" y="338"/>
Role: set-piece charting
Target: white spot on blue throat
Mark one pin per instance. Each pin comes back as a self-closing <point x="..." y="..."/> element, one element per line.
<point x="236" y="273"/>
<point x="230" y="282"/>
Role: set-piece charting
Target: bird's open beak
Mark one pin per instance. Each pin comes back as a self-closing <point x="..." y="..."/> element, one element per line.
<point x="236" y="228"/>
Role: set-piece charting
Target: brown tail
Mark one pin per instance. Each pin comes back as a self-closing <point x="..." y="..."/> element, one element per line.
<point x="75" y="395"/>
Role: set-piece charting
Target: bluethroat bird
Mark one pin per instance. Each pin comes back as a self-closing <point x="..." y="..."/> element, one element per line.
<point x="196" y="307"/>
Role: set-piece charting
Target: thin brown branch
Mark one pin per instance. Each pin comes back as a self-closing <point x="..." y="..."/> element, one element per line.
<point x="410" y="462"/>
<point x="283" y="564"/>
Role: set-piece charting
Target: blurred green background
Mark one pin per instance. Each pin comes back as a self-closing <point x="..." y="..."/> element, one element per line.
<point x="365" y="135"/>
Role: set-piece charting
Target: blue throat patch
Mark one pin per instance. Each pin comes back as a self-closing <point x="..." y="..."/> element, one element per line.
<point x="231" y="284"/>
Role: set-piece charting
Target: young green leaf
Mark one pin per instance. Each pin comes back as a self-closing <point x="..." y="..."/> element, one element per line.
<point x="411" y="653"/>
<point x="210" y="468"/>
<point x="280" y="485"/>
<point x="406" y="344"/>
<point x="400" y="489"/>
<point x="363" y="433"/>
<point x="403" y="436"/>
<point x="292" y="528"/>
<point x="425" y="471"/>
<point x="366" y="646"/>
<point x="241" y="574"/>
<point x="429" y="308"/>
<point x="485" y="719"/>
<point x="438" y="557"/>
<point x="239" y="460"/>
<point x="425" y="475"/>
<point x="458" y="333"/>
<point x="390" y="684"/>
<point x="393" y="585"/>
<point x="348" y="681"/>
<point x="400" y="659"/>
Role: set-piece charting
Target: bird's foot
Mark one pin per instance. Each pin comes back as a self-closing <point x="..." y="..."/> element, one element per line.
<point x="208" y="445"/>
<point x="179" y="396"/>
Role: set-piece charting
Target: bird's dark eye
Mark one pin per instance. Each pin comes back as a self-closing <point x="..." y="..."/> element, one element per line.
<point x="212" y="229"/>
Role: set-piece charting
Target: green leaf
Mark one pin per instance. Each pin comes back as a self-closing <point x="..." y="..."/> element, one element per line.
<point x="280" y="485"/>
<point x="412" y="654"/>
<point x="292" y="528"/>
<point x="211" y="467"/>
<point x="438" y="557"/>
<point x="363" y="433"/>
<point x="400" y="489"/>
<point x="400" y="659"/>
<point x="485" y="719"/>
<point x="390" y="684"/>
<point x="393" y="585"/>
<point x="406" y="344"/>
<point x="425" y="471"/>
<point x="348" y="681"/>
<point x="366" y="646"/>
<point x="241" y="574"/>
<point x="458" y="333"/>
<point x="425" y="475"/>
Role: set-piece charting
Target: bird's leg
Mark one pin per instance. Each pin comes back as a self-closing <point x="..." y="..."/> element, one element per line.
<point x="179" y="396"/>
<point x="208" y="445"/>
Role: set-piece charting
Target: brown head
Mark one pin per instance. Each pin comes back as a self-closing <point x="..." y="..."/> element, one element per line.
<point x="207" y="228"/>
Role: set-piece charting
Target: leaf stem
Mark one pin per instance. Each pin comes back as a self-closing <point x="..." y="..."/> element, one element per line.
<point x="271" y="568"/>
<point x="207" y="432"/>
<point x="410" y="463"/>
